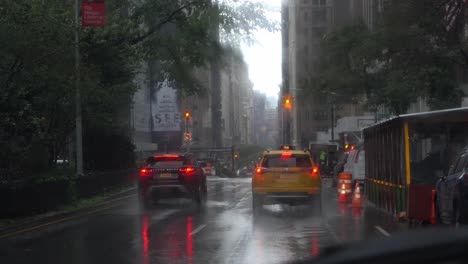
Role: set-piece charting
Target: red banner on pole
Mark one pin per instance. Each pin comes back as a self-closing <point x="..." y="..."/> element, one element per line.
<point x="93" y="13"/>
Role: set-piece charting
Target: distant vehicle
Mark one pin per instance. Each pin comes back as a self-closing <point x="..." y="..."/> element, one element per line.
<point x="207" y="167"/>
<point x="339" y="167"/>
<point x="356" y="165"/>
<point x="166" y="176"/>
<point x="452" y="192"/>
<point x="286" y="175"/>
<point x="245" y="172"/>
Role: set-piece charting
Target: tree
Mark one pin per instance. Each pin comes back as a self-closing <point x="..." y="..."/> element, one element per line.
<point x="409" y="55"/>
<point x="346" y="57"/>
<point x="37" y="68"/>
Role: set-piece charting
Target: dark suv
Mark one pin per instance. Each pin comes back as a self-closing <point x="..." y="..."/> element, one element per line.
<point x="167" y="176"/>
<point x="452" y="192"/>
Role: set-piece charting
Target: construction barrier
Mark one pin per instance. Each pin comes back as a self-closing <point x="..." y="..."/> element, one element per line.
<point x="357" y="197"/>
<point x="344" y="186"/>
<point x="405" y="156"/>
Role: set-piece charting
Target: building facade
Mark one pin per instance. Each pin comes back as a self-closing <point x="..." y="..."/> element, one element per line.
<point x="308" y="23"/>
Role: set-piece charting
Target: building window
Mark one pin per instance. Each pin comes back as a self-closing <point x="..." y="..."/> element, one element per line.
<point x="306" y="16"/>
<point x="319" y="17"/>
<point x="315" y="2"/>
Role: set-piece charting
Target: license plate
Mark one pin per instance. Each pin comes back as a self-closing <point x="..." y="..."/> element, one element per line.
<point x="167" y="175"/>
<point x="287" y="177"/>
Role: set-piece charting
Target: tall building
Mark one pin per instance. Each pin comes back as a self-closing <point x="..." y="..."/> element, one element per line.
<point x="284" y="120"/>
<point x="259" y="118"/>
<point x="237" y="101"/>
<point x="198" y="107"/>
<point x="308" y="23"/>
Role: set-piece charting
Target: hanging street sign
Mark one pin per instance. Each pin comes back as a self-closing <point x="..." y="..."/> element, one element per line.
<point x="188" y="137"/>
<point x="93" y="13"/>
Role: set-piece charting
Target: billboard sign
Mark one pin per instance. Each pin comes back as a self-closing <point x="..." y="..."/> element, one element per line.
<point x="165" y="111"/>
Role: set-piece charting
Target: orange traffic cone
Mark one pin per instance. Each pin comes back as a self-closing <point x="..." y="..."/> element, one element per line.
<point x="342" y="196"/>
<point x="357" y="201"/>
<point x="433" y="213"/>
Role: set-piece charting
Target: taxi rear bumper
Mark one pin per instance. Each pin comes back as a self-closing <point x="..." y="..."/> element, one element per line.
<point x="290" y="196"/>
<point x="289" y="192"/>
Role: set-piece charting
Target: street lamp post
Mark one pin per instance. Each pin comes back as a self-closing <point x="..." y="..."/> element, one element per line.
<point x="78" y="118"/>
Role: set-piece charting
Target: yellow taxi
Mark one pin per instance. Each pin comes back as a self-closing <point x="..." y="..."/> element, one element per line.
<point x="287" y="175"/>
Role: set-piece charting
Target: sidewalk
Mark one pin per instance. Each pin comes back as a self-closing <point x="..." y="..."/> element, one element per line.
<point x="87" y="205"/>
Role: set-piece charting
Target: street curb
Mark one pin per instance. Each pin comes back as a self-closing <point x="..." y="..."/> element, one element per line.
<point x="47" y="217"/>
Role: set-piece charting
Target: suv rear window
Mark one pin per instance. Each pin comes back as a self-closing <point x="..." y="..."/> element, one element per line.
<point x="295" y="160"/>
<point x="158" y="162"/>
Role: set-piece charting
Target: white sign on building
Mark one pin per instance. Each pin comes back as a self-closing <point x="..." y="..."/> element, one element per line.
<point x="165" y="111"/>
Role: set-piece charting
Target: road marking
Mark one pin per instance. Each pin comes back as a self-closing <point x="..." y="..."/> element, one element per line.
<point x="198" y="229"/>
<point x="332" y="232"/>
<point x="67" y="218"/>
<point x="382" y="231"/>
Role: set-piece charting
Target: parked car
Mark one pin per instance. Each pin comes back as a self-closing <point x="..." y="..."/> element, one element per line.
<point x="355" y="164"/>
<point x="451" y="198"/>
<point x="165" y="176"/>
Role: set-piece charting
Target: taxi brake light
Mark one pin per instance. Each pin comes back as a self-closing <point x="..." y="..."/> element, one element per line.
<point x="314" y="172"/>
<point x="167" y="156"/>
<point x="258" y="171"/>
<point x="258" y="177"/>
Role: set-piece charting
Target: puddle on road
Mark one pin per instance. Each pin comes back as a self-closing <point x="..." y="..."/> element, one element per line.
<point x="211" y="203"/>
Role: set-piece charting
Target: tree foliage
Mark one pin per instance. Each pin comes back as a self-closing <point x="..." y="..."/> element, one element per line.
<point x="409" y="54"/>
<point x="37" y="74"/>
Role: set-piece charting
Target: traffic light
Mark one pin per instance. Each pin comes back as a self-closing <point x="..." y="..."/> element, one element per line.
<point x="236" y="155"/>
<point x="287" y="104"/>
<point x="187" y="116"/>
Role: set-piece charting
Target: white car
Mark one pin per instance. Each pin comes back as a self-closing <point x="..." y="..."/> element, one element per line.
<point x="356" y="165"/>
<point x="208" y="168"/>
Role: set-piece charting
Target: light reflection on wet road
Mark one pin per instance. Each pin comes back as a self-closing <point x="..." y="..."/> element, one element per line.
<point x="175" y="231"/>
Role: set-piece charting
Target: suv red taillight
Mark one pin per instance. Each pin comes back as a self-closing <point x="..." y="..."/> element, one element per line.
<point x="145" y="172"/>
<point x="187" y="171"/>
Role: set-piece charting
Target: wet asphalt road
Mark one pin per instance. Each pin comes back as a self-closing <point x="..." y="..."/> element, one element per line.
<point x="175" y="231"/>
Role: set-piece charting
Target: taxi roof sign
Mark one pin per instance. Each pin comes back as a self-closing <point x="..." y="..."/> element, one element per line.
<point x="286" y="147"/>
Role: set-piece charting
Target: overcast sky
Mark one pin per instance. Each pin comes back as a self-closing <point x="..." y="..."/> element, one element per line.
<point x="264" y="57"/>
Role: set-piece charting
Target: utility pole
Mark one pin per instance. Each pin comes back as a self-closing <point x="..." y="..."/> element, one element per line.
<point x="294" y="117"/>
<point x="215" y="83"/>
<point x="78" y="118"/>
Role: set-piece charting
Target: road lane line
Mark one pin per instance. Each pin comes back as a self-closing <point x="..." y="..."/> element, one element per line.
<point x="332" y="232"/>
<point x="382" y="231"/>
<point x="198" y="229"/>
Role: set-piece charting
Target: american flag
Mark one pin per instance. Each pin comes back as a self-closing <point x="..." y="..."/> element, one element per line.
<point x="453" y="8"/>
